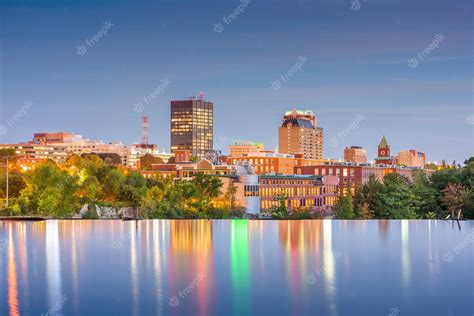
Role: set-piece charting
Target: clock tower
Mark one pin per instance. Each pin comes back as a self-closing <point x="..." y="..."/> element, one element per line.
<point x="384" y="157"/>
<point x="384" y="148"/>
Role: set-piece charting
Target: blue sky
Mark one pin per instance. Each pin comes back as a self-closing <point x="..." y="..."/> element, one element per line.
<point x="357" y="63"/>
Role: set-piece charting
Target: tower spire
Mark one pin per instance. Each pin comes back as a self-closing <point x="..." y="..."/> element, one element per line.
<point x="145" y="132"/>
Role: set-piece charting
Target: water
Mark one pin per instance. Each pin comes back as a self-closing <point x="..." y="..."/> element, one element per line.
<point x="237" y="267"/>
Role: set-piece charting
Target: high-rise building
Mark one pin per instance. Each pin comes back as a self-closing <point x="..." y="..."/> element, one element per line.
<point x="355" y="154"/>
<point x="299" y="134"/>
<point x="412" y="158"/>
<point x="192" y="126"/>
<point x="240" y="148"/>
<point x="384" y="157"/>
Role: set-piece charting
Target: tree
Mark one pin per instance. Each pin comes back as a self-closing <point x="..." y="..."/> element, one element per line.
<point x="15" y="184"/>
<point x="133" y="190"/>
<point x="425" y="197"/>
<point x="110" y="158"/>
<point x="112" y="181"/>
<point x="397" y="198"/>
<point x="280" y="211"/>
<point x="455" y="197"/>
<point x="49" y="191"/>
<point x="369" y="196"/>
<point x="147" y="160"/>
<point x="344" y="208"/>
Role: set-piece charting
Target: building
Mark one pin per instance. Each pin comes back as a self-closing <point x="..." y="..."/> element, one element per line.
<point x="239" y="149"/>
<point x="411" y="158"/>
<point x="192" y="126"/>
<point x="355" y="154"/>
<point x="350" y="175"/>
<point x="299" y="134"/>
<point x="32" y="152"/>
<point x="271" y="162"/>
<point x="315" y="192"/>
<point x="139" y="150"/>
<point x="384" y="157"/>
<point x="57" y="137"/>
<point x="77" y="145"/>
<point x="187" y="170"/>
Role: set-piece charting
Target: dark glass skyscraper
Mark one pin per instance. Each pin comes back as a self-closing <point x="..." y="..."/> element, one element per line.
<point x="192" y="126"/>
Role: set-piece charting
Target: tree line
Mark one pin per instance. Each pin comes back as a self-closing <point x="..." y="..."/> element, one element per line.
<point x="61" y="190"/>
<point x="448" y="191"/>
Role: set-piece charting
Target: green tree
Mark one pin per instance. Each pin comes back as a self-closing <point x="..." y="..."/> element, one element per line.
<point x="344" y="208"/>
<point x="280" y="211"/>
<point x="397" y="198"/>
<point x="49" y="191"/>
<point x="425" y="196"/>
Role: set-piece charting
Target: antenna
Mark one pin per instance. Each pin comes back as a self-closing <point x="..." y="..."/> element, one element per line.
<point x="145" y="133"/>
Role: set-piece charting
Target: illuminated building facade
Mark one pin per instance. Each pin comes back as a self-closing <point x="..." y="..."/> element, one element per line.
<point x="350" y="175"/>
<point x="192" y="126"/>
<point x="239" y="149"/>
<point x="355" y="154"/>
<point x="314" y="192"/>
<point x="299" y="134"/>
<point x="271" y="162"/>
<point x="32" y="152"/>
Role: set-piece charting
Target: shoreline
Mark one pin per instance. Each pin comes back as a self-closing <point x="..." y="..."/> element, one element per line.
<point x="39" y="219"/>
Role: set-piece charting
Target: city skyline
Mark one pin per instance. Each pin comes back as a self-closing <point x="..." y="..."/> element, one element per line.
<point x="151" y="58"/>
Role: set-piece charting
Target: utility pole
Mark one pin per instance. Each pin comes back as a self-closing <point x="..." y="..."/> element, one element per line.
<point x="6" y="203"/>
<point x="6" y="191"/>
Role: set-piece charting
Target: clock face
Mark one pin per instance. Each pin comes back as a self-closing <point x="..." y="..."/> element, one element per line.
<point x="382" y="152"/>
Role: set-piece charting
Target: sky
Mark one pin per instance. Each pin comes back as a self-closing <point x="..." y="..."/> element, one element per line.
<point x="366" y="68"/>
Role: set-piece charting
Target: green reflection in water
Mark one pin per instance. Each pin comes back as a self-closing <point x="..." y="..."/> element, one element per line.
<point x="239" y="254"/>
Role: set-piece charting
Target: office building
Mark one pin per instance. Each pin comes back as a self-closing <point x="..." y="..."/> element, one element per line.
<point x="411" y="158"/>
<point x="299" y="134"/>
<point x="192" y="126"/>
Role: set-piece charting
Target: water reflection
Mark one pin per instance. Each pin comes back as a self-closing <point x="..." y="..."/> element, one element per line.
<point x="250" y="267"/>
<point x="53" y="265"/>
<point x="239" y="258"/>
<point x="329" y="266"/>
<point x="191" y="257"/>
<point x="406" y="272"/>
<point x="12" y="277"/>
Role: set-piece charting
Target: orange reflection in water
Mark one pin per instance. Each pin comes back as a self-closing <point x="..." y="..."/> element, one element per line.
<point x="298" y="238"/>
<point x="191" y="254"/>
<point x="12" y="279"/>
